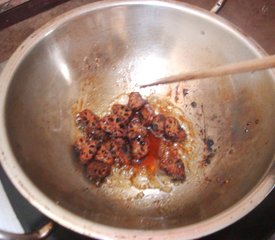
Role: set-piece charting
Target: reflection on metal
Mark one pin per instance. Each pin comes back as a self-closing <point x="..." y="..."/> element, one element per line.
<point x="62" y="67"/>
<point x="217" y="7"/>
<point x="65" y="72"/>
<point x="152" y="67"/>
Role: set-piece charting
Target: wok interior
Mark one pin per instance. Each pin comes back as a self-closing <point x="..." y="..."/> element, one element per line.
<point x="106" y="52"/>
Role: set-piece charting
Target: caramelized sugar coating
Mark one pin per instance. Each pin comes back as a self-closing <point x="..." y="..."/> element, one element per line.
<point x="136" y="102"/>
<point x="122" y="139"/>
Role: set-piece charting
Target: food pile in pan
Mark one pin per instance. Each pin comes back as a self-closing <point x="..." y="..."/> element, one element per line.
<point x="130" y="135"/>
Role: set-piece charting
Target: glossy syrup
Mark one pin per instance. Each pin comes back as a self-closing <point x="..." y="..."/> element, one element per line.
<point x="150" y="162"/>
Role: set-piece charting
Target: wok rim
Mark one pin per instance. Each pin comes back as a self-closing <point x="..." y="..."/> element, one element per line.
<point x="81" y="225"/>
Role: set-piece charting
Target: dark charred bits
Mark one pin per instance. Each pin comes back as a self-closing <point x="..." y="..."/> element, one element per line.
<point x="210" y="151"/>
<point x="177" y="94"/>
<point x="136" y="129"/>
<point x="170" y="161"/>
<point x="185" y="91"/>
<point x="157" y="126"/>
<point x="173" y="131"/>
<point x="112" y="125"/>
<point x="209" y="143"/>
<point x="122" y="112"/>
<point x="120" y="150"/>
<point x="193" y="104"/>
<point x="208" y="158"/>
<point x="122" y="139"/>
<point x="88" y="123"/>
<point x="139" y="147"/>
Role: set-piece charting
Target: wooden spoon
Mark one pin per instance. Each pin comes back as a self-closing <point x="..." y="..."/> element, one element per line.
<point x="245" y="66"/>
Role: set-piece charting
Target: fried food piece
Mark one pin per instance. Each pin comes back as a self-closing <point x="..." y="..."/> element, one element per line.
<point x="112" y="125"/>
<point x="136" y="102"/>
<point x="80" y="143"/>
<point x="121" y="152"/>
<point x="147" y="114"/>
<point x="170" y="161"/>
<point x="119" y="143"/>
<point x="88" y="122"/>
<point x="157" y="126"/>
<point x="104" y="153"/>
<point x="98" y="171"/>
<point x="139" y="147"/>
<point x="96" y="133"/>
<point x="114" y="151"/>
<point x="121" y="138"/>
<point x="86" y="118"/>
<point x="121" y="158"/>
<point x="173" y="131"/>
<point x="173" y="167"/>
<point x="86" y="149"/>
<point x="136" y="129"/>
<point x="123" y="112"/>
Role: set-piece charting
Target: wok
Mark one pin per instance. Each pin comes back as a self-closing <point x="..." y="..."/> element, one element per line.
<point x="91" y="55"/>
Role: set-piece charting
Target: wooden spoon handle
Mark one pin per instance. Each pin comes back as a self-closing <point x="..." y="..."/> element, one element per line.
<point x="245" y="66"/>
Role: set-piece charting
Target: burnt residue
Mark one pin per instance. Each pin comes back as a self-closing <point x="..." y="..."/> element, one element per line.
<point x="207" y="179"/>
<point x="204" y="130"/>
<point x="209" y="144"/>
<point x="208" y="158"/>
<point x="210" y="151"/>
<point x="213" y="117"/>
<point x="220" y="180"/>
<point x="231" y="151"/>
<point x="177" y="94"/>
<point x="193" y="104"/>
<point x="250" y="124"/>
<point x="185" y="92"/>
<point x="217" y="180"/>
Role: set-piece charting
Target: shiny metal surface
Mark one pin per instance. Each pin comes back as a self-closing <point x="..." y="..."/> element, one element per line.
<point x="88" y="57"/>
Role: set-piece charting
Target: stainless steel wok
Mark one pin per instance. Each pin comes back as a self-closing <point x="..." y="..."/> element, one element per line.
<point x="91" y="55"/>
